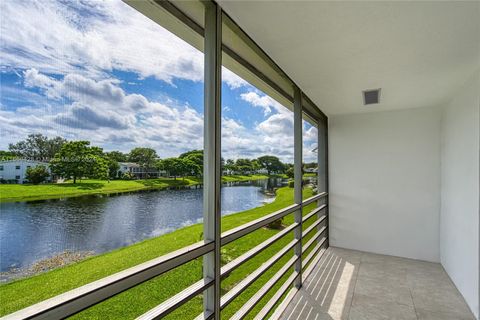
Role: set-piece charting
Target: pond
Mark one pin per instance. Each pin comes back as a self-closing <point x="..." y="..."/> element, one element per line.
<point x="32" y="231"/>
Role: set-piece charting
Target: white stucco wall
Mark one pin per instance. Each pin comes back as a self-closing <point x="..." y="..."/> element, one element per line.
<point x="385" y="182"/>
<point x="459" y="218"/>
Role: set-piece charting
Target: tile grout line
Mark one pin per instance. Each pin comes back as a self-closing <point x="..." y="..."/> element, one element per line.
<point x="355" y="286"/>
<point x="413" y="302"/>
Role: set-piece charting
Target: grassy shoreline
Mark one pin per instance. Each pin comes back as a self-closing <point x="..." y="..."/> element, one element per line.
<point x="28" y="192"/>
<point x="135" y="301"/>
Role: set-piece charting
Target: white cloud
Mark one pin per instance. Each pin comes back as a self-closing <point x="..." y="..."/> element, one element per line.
<point x="278" y="125"/>
<point x="77" y="107"/>
<point x="310" y="142"/>
<point x="63" y="37"/>
<point x="67" y="51"/>
<point x="310" y="133"/>
<point x="95" y="37"/>
<point x="233" y="81"/>
<point x="263" y="101"/>
<point x="102" y="112"/>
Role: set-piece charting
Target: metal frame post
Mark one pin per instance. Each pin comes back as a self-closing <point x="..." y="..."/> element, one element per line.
<point x="212" y="150"/>
<point x="327" y="199"/>
<point x="298" y="177"/>
<point x="321" y="156"/>
<point x="322" y="168"/>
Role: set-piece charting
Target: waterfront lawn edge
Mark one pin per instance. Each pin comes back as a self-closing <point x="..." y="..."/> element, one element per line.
<point x="50" y="191"/>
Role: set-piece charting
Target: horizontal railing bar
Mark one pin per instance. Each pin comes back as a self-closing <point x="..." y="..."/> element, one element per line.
<point x="313" y="226"/>
<point x="276" y="297"/>
<point x="177" y="300"/>
<point x="73" y="301"/>
<point x="255" y="299"/>
<point x="314" y="198"/>
<point x="242" y="285"/>
<point x="313" y="252"/>
<point x="249" y="227"/>
<point x="312" y="240"/>
<point x="228" y="268"/>
<point x="313" y="212"/>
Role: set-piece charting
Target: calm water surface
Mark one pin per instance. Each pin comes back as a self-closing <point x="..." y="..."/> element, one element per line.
<point x="32" y="231"/>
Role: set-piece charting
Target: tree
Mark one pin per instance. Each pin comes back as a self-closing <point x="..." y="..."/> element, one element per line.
<point x="37" y="174"/>
<point x="113" y="166"/>
<point x="37" y="146"/>
<point x="190" y="167"/>
<point x="76" y="159"/>
<point x="271" y="164"/>
<point x="196" y="156"/>
<point x="230" y="165"/>
<point x="145" y="157"/>
<point x="174" y="166"/>
<point x="117" y="156"/>
<point x="290" y="172"/>
<point x="244" y="166"/>
<point x="6" y="155"/>
<point x="256" y="165"/>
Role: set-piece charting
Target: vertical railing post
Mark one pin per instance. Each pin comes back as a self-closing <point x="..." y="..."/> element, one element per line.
<point x="321" y="162"/>
<point x="322" y="158"/>
<point x="327" y="189"/>
<point x="211" y="157"/>
<point x="298" y="177"/>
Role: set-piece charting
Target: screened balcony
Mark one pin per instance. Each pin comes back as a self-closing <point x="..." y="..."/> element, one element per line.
<point x="391" y="230"/>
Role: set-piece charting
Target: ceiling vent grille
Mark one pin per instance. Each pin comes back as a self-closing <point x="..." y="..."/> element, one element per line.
<point x="371" y="96"/>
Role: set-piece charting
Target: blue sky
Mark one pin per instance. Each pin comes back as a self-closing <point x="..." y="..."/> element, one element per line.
<point x="100" y="71"/>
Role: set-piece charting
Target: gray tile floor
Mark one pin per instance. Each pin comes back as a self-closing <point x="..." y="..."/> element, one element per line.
<point x="354" y="285"/>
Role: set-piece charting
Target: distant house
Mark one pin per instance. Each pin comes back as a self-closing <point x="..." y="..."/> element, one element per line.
<point x="310" y="170"/>
<point x="15" y="171"/>
<point x="138" y="172"/>
<point x="262" y="171"/>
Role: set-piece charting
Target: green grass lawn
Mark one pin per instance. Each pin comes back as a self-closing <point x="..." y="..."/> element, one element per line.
<point x="137" y="300"/>
<point x="310" y="174"/>
<point x="25" y="192"/>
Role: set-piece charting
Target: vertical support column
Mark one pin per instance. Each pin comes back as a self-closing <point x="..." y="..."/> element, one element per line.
<point x="211" y="154"/>
<point x="298" y="176"/>
<point x="322" y="168"/>
<point x="327" y="189"/>
<point x="321" y="156"/>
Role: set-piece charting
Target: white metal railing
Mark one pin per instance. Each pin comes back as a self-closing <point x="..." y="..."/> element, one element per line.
<point x="76" y="300"/>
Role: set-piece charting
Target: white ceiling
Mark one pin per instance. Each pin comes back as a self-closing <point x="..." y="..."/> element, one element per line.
<point x="419" y="53"/>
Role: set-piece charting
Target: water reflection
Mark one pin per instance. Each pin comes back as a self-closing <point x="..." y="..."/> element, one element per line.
<point x="30" y="231"/>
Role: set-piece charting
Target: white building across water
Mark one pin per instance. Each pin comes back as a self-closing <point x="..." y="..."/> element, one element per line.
<point x="15" y="171"/>
<point x="138" y="172"/>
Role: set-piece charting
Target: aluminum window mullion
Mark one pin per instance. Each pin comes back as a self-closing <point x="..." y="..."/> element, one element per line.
<point x="322" y="160"/>
<point x="212" y="149"/>
<point x="298" y="177"/>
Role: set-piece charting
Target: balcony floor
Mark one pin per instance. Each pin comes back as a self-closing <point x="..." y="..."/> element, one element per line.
<point x="354" y="285"/>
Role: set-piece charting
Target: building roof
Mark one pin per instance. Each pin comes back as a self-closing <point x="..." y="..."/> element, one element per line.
<point x="23" y="161"/>
<point x="129" y="164"/>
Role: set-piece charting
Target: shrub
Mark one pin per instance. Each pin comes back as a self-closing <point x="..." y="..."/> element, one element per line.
<point x="276" y="225"/>
<point x="37" y="174"/>
<point x="128" y="176"/>
<point x="290" y="173"/>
